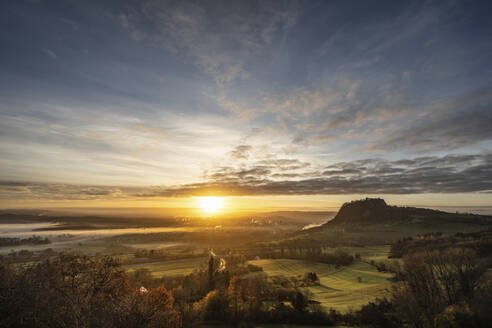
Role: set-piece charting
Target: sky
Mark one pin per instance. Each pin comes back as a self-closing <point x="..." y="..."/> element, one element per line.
<point x="278" y="104"/>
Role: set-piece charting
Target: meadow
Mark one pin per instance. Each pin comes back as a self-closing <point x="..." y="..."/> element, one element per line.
<point x="341" y="288"/>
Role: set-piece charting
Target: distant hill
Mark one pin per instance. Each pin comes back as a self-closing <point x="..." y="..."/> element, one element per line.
<point x="371" y="221"/>
<point x="371" y="211"/>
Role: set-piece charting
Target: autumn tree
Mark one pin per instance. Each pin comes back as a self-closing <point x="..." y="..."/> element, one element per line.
<point x="79" y="291"/>
<point x="434" y="281"/>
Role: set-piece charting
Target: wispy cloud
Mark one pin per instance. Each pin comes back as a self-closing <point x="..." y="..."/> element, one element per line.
<point x="221" y="37"/>
<point x="49" y="53"/>
<point x="321" y="113"/>
<point x="112" y="148"/>
<point x="464" y="121"/>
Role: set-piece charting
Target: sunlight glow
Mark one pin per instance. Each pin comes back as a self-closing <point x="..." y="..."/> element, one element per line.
<point x="211" y="205"/>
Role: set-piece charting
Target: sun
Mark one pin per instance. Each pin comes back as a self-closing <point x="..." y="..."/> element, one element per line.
<point x="211" y="205"/>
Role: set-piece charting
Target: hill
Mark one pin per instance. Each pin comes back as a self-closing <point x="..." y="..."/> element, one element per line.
<point x="372" y="221"/>
<point x="375" y="211"/>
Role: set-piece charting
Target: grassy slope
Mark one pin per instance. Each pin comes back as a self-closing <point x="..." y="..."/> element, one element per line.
<point x="383" y="234"/>
<point x="339" y="288"/>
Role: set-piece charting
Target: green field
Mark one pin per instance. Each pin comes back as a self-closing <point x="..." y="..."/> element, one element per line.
<point x="169" y="268"/>
<point x="339" y="288"/>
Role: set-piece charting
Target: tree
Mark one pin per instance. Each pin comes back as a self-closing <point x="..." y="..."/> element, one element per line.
<point x="154" y="308"/>
<point x="299" y="301"/>
<point x="434" y="281"/>
<point x="235" y="297"/>
<point x="214" y="306"/>
<point x="311" y="277"/>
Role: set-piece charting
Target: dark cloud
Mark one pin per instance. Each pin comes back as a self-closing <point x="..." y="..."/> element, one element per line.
<point x="342" y="171"/>
<point x="438" y="161"/>
<point x="13" y="184"/>
<point x="447" y="174"/>
<point x="228" y="173"/>
<point x="53" y="191"/>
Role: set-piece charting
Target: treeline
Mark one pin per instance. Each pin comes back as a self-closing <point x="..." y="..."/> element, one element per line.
<point x="303" y="251"/>
<point x="165" y="255"/>
<point x="337" y="258"/>
<point x="25" y="255"/>
<point x="480" y="242"/>
<point x="33" y="240"/>
<point x="335" y="237"/>
<point x="144" y="255"/>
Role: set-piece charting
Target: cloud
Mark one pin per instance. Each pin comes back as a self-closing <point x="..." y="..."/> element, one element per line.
<point x="464" y="121"/>
<point x="324" y="112"/>
<point x="75" y="25"/>
<point x="35" y="190"/>
<point x="220" y="36"/>
<point x="121" y="149"/>
<point x="288" y="107"/>
<point x="232" y="174"/>
<point x="49" y="53"/>
<point x="356" y="84"/>
<point x="241" y="152"/>
<point x="183" y="82"/>
<point x="448" y="174"/>
<point x="432" y="174"/>
<point x="362" y="98"/>
<point x="284" y="164"/>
